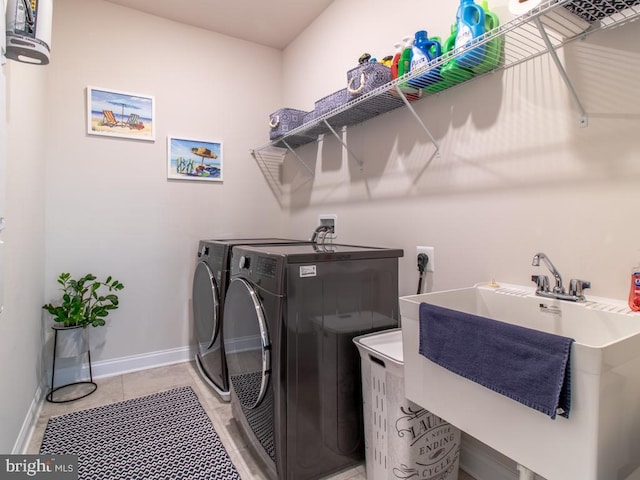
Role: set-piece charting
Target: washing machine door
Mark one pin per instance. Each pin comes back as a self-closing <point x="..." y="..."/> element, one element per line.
<point x="246" y="343"/>
<point x="205" y="306"/>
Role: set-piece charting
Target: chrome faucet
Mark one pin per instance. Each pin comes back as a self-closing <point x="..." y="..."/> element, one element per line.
<point x="536" y="262"/>
<point x="576" y="287"/>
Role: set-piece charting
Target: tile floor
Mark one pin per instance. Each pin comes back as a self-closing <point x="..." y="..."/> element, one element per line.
<point x="146" y="382"/>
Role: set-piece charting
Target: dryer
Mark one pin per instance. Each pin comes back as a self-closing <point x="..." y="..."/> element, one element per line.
<point x="290" y="315"/>
<point x="210" y="283"/>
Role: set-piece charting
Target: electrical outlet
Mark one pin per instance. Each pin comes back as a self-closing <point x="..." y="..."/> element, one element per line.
<point x="431" y="253"/>
<point x="329" y="220"/>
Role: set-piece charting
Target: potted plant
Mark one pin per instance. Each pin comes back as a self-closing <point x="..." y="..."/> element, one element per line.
<point x="83" y="301"/>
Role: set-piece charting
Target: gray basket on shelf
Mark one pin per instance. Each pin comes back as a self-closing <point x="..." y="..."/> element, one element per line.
<point x="284" y="120"/>
<point x="594" y="10"/>
<point x="310" y="117"/>
<point x="331" y="102"/>
<point x="367" y="77"/>
<point x="317" y="129"/>
<point x="334" y="101"/>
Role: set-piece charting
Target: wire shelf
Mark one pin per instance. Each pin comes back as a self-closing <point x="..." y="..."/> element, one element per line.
<point x="270" y="160"/>
<point x="544" y="29"/>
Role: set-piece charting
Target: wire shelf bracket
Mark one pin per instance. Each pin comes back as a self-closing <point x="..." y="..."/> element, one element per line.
<point x="304" y="164"/>
<point x="419" y="120"/>
<point x="584" y="120"/>
<point x="343" y="143"/>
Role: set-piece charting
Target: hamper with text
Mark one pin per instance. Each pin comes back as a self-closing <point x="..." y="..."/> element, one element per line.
<point x="402" y="440"/>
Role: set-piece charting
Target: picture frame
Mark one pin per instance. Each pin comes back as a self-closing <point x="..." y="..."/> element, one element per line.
<point x="114" y="113"/>
<point x="193" y="159"/>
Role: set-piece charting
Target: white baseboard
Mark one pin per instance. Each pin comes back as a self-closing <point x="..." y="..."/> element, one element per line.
<point x="484" y="463"/>
<point x="108" y="368"/>
<point x="29" y="423"/>
<point x="134" y="363"/>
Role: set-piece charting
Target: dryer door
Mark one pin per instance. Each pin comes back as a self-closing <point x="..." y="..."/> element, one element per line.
<point x="205" y="306"/>
<point x="246" y="343"/>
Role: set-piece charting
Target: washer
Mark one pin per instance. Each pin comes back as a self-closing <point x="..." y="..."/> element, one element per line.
<point x="290" y="315"/>
<point x="210" y="283"/>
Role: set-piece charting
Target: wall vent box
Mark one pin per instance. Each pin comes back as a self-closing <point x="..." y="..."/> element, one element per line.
<point x="329" y="220"/>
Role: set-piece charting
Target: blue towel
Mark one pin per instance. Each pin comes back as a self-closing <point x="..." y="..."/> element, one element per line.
<point x="526" y="365"/>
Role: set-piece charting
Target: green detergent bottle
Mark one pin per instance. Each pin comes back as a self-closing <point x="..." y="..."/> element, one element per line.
<point x="451" y="72"/>
<point x="443" y="83"/>
<point x="494" y="50"/>
<point x="404" y="66"/>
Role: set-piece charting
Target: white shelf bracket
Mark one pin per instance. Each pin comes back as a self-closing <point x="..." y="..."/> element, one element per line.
<point x="272" y="181"/>
<point x="258" y="158"/>
<point x="298" y="157"/>
<point x="418" y="119"/>
<point x="584" y="121"/>
<point x="339" y="138"/>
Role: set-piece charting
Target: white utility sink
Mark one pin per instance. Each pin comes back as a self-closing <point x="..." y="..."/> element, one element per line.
<point x="601" y="438"/>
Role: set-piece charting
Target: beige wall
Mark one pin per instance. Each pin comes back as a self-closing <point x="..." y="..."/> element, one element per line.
<point x="82" y="203"/>
<point x="110" y="208"/>
<point x="24" y="239"/>
<point x="516" y="174"/>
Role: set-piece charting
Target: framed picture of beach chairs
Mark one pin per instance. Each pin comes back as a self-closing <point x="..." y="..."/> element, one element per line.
<point x="111" y="113"/>
<point x="191" y="159"/>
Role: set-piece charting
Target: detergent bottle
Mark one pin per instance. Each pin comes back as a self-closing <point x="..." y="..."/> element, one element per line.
<point x="493" y="52"/>
<point x="396" y="60"/>
<point x="471" y="25"/>
<point x="404" y="66"/>
<point x="634" y="289"/>
<point x="424" y="51"/>
<point x="442" y="83"/>
<point x="451" y="72"/>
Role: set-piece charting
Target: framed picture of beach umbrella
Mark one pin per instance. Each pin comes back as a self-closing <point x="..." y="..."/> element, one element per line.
<point x="112" y="113"/>
<point x="191" y="159"/>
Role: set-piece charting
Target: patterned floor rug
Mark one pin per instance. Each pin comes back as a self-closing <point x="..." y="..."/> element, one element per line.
<point x="166" y="435"/>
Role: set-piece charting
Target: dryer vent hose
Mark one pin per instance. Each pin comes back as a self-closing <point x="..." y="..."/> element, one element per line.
<point x="319" y="237"/>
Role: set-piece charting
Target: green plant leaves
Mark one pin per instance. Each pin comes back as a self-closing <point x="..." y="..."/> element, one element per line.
<point x="81" y="303"/>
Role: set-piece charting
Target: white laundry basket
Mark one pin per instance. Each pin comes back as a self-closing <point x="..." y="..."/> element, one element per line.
<point x="402" y="440"/>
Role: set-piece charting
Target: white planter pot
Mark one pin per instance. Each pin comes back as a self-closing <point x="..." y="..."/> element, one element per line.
<point x="71" y="341"/>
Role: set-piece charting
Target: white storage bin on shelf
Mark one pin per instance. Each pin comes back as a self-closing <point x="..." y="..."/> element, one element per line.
<point x="402" y="440"/>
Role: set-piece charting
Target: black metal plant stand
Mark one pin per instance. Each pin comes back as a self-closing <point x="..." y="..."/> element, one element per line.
<point x="90" y="382"/>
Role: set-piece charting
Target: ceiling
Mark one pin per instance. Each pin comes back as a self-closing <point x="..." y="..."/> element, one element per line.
<point x="274" y="23"/>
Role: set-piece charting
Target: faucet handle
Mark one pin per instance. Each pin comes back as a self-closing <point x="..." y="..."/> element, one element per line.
<point x="542" y="282"/>
<point x="576" y="287"/>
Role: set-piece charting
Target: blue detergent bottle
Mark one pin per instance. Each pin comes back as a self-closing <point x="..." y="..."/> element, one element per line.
<point x="425" y="50"/>
<point x="470" y="21"/>
<point x="451" y="72"/>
